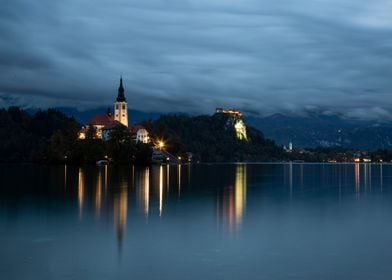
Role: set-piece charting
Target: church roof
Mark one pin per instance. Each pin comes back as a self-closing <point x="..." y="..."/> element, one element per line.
<point x="112" y="125"/>
<point x="102" y="119"/>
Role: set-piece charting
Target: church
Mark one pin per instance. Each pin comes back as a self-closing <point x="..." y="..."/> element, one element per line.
<point x="104" y="124"/>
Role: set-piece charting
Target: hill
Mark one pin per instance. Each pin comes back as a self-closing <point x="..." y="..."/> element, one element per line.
<point x="212" y="139"/>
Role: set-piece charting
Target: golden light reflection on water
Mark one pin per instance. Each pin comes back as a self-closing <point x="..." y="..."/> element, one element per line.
<point x="160" y="190"/>
<point x="167" y="177"/>
<point x="120" y="205"/>
<point x="240" y="192"/>
<point x="381" y="177"/>
<point x="357" y="172"/>
<point x="365" y="174"/>
<point x="98" y="194"/>
<point x="147" y="188"/>
<point x="143" y="189"/>
<point x="234" y="200"/>
<point x="179" y="179"/>
<point x="80" y="191"/>
<point x="291" y="178"/>
<point x="106" y="179"/>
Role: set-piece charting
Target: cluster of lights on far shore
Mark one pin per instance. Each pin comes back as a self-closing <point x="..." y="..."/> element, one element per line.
<point x="367" y="160"/>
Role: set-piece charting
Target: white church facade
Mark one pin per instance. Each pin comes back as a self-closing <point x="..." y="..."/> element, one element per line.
<point x="104" y="124"/>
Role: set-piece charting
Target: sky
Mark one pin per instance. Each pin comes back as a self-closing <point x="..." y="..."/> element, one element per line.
<point x="262" y="57"/>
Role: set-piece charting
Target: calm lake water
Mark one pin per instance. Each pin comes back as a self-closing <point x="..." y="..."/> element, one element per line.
<point x="231" y="221"/>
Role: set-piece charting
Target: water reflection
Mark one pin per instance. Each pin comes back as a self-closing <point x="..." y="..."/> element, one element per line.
<point x="234" y="200"/>
<point x="168" y="177"/>
<point x="153" y="195"/>
<point x="291" y="178"/>
<point x="80" y="191"/>
<point x="106" y="179"/>
<point x="240" y="192"/>
<point x="357" y="172"/>
<point x="120" y="206"/>
<point x="98" y="194"/>
<point x="229" y="219"/>
<point x="160" y="190"/>
<point x="179" y="179"/>
<point x="65" y="177"/>
<point x="143" y="189"/>
<point x="381" y="177"/>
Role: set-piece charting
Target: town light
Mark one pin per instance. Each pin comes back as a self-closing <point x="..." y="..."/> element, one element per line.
<point x="161" y="144"/>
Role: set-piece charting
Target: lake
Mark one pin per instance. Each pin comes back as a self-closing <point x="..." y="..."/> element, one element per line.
<point x="202" y="221"/>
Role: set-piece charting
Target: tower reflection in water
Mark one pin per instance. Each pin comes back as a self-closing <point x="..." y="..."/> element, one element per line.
<point x="98" y="194"/>
<point x="120" y="205"/>
<point x="233" y="204"/>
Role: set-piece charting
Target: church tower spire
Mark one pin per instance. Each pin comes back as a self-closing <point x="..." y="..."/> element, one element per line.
<point x="121" y="105"/>
<point x="121" y="96"/>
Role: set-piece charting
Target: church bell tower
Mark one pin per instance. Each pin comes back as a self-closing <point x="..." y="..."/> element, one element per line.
<point x="121" y="106"/>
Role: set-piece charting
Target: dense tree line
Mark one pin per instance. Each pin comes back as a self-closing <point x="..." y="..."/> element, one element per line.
<point x="51" y="137"/>
<point x="26" y="138"/>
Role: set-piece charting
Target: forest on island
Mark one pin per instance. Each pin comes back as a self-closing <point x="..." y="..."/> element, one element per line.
<point x="49" y="136"/>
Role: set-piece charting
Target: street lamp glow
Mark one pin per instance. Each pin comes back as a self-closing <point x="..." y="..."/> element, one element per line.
<point x="161" y="144"/>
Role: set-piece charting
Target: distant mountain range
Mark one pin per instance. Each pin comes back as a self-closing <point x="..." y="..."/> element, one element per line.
<point x="312" y="130"/>
<point x="316" y="130"/>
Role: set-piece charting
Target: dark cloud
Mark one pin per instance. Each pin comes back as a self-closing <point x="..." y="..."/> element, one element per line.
<point x="260" y="56"/>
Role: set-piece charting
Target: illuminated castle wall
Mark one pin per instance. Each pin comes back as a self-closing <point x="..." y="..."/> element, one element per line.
<point x="236" y="121"/>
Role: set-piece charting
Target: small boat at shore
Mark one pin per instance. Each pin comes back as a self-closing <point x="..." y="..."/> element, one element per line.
<point x="102" y="162"/>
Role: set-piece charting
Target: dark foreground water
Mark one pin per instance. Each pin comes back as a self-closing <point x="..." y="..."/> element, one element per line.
<point x="255" y="221"/>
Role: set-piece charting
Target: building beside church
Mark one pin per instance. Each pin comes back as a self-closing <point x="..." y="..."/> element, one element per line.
<point x="104" y="124"/>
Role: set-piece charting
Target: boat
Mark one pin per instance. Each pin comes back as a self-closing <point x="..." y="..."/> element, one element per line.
<point x="102" y="162"/>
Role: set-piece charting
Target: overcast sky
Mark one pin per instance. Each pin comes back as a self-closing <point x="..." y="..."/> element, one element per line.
<point x="288" y="56"/>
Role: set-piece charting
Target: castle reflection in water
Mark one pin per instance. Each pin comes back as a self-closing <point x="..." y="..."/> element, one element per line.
<point x="148" y="192"/>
